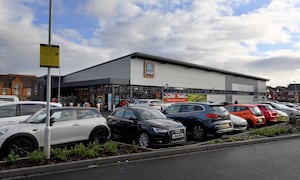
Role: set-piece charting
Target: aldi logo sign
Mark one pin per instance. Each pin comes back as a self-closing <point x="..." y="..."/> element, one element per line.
<point x="148" y="69"/>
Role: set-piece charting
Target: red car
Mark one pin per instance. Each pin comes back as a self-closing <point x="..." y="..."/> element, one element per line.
<point x="269" y="112"/>
<point x="250" y="112"/>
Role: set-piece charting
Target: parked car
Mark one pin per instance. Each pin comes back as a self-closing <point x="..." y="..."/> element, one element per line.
<point x="145" y="125"/>
<point x="250" y="112"/>
<point x="201" y="118"/>
<point x="155" y="103"/>
<point x="68" y="125"/>
<point x="8" y="98"/>
<point x="283" y="117"/>
<point x="239" y="124"/>
<point x="13" y="112"/>
<point x="292" y="113"/>
<point x="269" y="112"/>
<point x="291" y="105"/>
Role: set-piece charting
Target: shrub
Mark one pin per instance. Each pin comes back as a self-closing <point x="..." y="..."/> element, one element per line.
<point x="269" y="132"/>
<point x="90" y="153"/>
<point x="58" y="154"/>
<point x="110" y="148"/>
<point x="78" y="150"/>
<point x="12" y="158"/>
<point x="37" y="156"/>
<point x="135" y="147"/>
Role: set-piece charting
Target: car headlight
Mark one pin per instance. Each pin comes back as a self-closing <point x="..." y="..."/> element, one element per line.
<point x="3" y="131"/>
<point x="159" y="130"/>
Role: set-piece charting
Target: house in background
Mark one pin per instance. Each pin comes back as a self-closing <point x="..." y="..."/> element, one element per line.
<point x="22" y="86"/>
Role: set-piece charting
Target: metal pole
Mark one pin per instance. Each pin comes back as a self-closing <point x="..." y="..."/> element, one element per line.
<point x="47" y="128"/>
<point x="295" y="91"/>
<point x="58" y="96"/>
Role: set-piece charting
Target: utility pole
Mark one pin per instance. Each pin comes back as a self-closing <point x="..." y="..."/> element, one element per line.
<point x="47" y="145"/>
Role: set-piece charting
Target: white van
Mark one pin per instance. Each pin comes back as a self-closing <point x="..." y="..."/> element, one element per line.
<point x="14" y="112"/>
<point x="9" y="98"/>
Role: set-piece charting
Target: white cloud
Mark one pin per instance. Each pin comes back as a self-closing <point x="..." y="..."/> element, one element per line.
<point x="204" y="32"/>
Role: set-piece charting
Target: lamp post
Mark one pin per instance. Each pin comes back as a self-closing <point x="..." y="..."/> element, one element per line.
<point x="295" y="93"/>
<point x="165" y="92"/>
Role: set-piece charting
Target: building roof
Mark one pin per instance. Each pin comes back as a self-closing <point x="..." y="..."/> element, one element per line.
<point x="176" y="62"/>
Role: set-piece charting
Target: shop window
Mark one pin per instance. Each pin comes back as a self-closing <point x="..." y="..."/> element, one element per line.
<point x="4" y="91"/>
<point x="28" y="92"/>
<point x="17" y="89"/>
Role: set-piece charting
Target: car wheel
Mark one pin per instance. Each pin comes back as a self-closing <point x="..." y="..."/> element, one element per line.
<point x="21" y="146"/>
<point x="199" y="132"/>
<point x="144" y="140"/>
<point x="99" y="135"/>
<point x="250" y="124"/>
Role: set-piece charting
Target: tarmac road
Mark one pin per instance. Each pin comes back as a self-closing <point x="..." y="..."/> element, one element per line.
<point x="277" y="160"/>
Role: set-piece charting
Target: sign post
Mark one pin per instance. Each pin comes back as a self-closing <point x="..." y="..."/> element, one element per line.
<point x="49" y="57"/>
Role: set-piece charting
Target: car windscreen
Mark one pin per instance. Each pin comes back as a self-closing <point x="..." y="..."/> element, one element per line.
<point x="219" y="110"/>
<point x="268" y="107"/>
<point x="147" y="114"/>
<point x="38" y="117"/>
<point x="255" y="110"/>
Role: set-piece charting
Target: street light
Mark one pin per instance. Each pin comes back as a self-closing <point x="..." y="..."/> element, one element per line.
<point x="295" y="93"/>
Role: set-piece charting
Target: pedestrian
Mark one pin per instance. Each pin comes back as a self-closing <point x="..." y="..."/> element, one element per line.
<point x="86" y="103"/>
<point x="123" y="103"/>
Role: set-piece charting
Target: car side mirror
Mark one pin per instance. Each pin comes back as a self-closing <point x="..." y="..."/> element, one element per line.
<point x="52" y="120"/>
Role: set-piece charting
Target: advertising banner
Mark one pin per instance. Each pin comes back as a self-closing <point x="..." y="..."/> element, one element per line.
<point x="175" y="97"/>
<point x="197" y="98"/>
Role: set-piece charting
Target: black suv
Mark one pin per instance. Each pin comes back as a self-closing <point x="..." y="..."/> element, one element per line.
<point x="201" y="118"/>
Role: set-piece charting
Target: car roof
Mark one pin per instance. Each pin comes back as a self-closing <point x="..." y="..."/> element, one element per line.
<point x="28" y="102"/>
<point x="149" y="100"/>
<point x="135" y="107"/>
<point x="245" y="105"/>
<point x="198" y="103"/>
<point x="71" y="107"/>
<point x="261" y="104"/>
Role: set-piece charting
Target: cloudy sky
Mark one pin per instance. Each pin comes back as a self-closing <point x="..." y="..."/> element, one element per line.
<point x="255" y="37"/>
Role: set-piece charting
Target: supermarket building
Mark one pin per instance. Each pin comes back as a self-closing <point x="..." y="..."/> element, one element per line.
<point x="139" y="76"/>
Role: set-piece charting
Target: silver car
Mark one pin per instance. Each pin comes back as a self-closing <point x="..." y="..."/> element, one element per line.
<point x="68" y="125"/>
<point x="17" y="111"/>
<point x="239" y="124"/>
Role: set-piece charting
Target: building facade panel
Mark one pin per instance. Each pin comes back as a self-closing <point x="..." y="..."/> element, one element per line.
<point x="119" y="69"/>
<point x="243" y="99"/>
<point x="218" y="98"/>
<point x="176" y="76"/>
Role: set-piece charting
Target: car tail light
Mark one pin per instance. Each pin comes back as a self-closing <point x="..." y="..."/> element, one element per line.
<point x="274" y="114"/>
<point x="212" y="115"/>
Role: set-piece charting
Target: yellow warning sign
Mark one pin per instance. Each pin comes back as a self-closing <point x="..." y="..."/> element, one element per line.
<point x="49" y="56"/>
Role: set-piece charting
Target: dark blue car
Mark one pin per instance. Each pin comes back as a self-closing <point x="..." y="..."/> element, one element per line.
<point x="201" y="118"/>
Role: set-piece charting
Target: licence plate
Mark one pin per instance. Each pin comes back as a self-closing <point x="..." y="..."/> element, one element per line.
<point x="227" y="125"/>
<point x="177" y="136"/>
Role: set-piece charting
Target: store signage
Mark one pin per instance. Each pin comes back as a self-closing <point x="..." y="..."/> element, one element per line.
<point x="175" y="97"/>
<point x="148" y="69"/>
